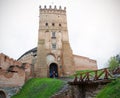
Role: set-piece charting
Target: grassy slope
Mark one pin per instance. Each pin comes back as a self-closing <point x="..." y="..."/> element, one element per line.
<point x="112" y="90"/>
<point x="39" y="88"/>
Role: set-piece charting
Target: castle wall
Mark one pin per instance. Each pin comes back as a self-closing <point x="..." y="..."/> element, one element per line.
<point x="6" y="61"/>
<point x="84" y="63"/>
<point x="68" y="62"/>
<point x="26" y="58"/>
<point x="10" y="79"/>
<point x="12" y="72"/>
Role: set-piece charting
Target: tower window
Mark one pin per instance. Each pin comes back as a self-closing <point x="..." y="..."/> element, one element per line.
<point x="53" y="24"/>
<point x="53" y="35"/>
<point x="60" y="25"/>
<point x="54" y="46"/>
<point x="46" y="24"/>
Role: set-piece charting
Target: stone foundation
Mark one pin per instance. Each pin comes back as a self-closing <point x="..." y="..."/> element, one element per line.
<point x="76" y="91"/>
<point x="10" y="91"/>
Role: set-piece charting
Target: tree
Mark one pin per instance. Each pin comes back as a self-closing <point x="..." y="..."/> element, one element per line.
<point x="113" y="63"/>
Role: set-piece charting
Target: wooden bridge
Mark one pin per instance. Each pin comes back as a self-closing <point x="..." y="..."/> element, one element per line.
<point x="92" y="77"/>
<point x="88" y="83"/>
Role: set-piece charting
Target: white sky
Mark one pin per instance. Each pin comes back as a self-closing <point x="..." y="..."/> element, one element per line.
<point x="93" y="26"/>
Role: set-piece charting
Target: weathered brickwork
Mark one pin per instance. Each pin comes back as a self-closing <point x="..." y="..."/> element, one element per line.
<point x="68" y="63"/>
<point x="12" y="72"/>
<point x="84" y="63"/>
<point x="7" y="92"/>
<point x="13" y="75"/>
<point x="41" y="66"/>
<point x="6" y="61"/>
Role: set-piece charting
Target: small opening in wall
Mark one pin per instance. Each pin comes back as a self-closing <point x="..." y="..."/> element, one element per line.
<point x="53" y="24"/>
<point x="60" y="25"/>
<point x="46" y="24"/>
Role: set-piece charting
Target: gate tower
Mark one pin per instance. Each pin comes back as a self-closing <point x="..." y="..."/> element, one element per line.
<point x="53" y="44"/>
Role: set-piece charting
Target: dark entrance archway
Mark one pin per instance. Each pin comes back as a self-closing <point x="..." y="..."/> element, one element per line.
<point x="2" y="94"/>
<point x="53" y="70"/>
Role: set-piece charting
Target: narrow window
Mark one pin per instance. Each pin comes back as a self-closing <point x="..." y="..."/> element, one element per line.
<point x="53" y="34"/>
<point x="60" y="25"/>
<point x="54" y="46"/>
<point x="46" y="24"/>
<point x="53" y="24"/>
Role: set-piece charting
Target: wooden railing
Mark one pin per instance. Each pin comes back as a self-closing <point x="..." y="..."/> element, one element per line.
<point x="95" y="75"/>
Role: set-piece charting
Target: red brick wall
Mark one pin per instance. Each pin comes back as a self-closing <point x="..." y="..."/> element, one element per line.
<point x="84" y="63"/>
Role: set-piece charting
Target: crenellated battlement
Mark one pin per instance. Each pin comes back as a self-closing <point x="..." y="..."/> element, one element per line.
<point x="51" y="9"/>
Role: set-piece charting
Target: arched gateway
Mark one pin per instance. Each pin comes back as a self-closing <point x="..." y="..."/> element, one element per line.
<point x="2" y="94"/>
<point x="53" y="70"/>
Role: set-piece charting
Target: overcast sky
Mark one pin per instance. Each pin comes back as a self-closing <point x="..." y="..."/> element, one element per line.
<point x="93" y="26"/>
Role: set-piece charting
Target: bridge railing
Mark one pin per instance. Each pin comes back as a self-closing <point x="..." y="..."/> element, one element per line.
<point x="93" y="75"/>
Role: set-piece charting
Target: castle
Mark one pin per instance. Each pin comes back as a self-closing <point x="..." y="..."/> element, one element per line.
<point x="53" y="54"/>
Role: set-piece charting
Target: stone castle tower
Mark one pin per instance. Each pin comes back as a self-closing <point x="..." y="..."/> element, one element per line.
<point x="54" y="53"/>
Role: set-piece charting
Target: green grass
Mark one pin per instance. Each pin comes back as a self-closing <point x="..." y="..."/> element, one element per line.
<point x="40" y="88"/>
<point x="112" y="90"/>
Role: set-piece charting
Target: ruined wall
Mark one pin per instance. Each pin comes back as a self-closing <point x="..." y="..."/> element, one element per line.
<point x="84" y="63"/>
<point x="11" y="79"/>
<point x="28" y="71"/>
<point x="12" y="72"/>
<point x="6" y="61"/>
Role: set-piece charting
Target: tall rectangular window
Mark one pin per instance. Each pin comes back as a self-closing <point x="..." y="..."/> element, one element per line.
<point x="54" y="46"/>
<point x="53" y="34"/>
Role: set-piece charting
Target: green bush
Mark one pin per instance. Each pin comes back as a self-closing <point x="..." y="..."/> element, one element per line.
<point x="113" y="63"/>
